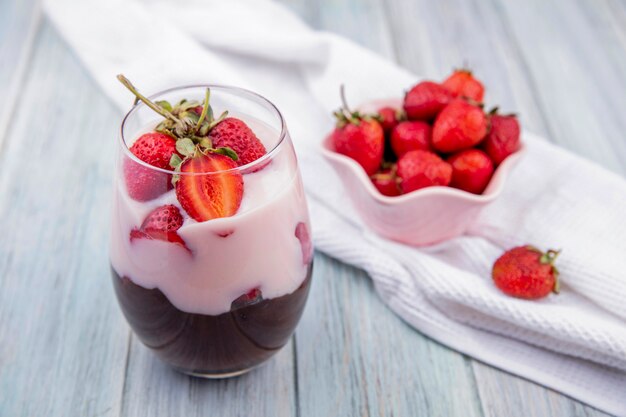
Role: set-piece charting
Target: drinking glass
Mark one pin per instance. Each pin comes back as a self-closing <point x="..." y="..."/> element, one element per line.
<point x="218" y="297"/>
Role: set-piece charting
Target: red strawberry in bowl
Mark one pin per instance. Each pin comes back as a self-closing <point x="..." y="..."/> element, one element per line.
<point x="389" y="118"/>
<point x="462" y="83"/>
<point x="206" y="197"/>
<point x="359" y="137"/>
<point x="503" y="137"/>
<point x="425" y="100"/>
<point x="411" y="136"/>
<point x="420" y="169"/>
<point x="387" y="182"/>
<point x="471" y="170"/>
<point x="235" y="134"/>
<point x="144" y="183"/>
<point x="161" y="224"/>
<point x="460" y="125"/>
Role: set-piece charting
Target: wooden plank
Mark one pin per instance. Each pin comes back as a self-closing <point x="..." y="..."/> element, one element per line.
<point x="349" y="18"/>
<point x="154" y="389"/>
<point x="503" y="394"/>
<point x="64" y="341"/>
<point x="575" y="52"/>
<point x="356" y="357"/>
<point x="19" y="21"/>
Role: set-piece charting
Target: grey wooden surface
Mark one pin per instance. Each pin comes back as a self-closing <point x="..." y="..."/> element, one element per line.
<point x="65" y="349"/>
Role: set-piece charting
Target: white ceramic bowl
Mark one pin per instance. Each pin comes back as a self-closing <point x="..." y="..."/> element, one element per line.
<point x="419" y="218"/>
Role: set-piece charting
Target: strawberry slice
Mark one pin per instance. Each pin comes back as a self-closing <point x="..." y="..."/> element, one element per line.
<point x="302" y="233"/>
<point x="206" y="197"/>
<point x="143" y="183"/>
<point x="235" y="134"/>
<point x="161" y="224"/>
<point x="251" y="297"/>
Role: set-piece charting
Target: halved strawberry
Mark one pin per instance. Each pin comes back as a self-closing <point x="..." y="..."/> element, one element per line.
<point x="161" y="224"/>
<point x="206" y="197"/>
<point x="235" y="134"/>
<point x="143" y="183"/>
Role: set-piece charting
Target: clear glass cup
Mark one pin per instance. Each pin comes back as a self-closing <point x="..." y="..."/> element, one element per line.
<point x="225" y="294"/>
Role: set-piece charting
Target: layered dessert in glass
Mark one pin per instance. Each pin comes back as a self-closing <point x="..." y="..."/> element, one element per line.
<point x="211" y="254"/>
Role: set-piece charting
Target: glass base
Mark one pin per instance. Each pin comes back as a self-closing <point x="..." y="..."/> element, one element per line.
<point x="217" y="375"/>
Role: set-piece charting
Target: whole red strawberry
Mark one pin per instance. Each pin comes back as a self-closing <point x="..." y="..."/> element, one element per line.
<point x="217" y="194"/>
<point x="463" y="84"/>
<point x="526" y="272"/>
<point x="419" y="169"/>
<point x="425" y="100"/>
<point x="460" y="125"/>
<point x="386" y="182"/>
<point x="144" y="183"/>
<point x="161" y="224"/>
<point x="389" y="118"/>
<point x="359" y="137"/>
<point x="411" y="136"/>
<point x="235" y="134"/>
<point x="471" y="170"/>
<point x="503" y="137"/>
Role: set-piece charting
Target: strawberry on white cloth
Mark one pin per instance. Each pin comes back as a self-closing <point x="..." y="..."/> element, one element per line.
<point x="574" y="342"/>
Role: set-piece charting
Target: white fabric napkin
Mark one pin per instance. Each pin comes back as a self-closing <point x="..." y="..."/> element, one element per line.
<point x="574" y="342"/>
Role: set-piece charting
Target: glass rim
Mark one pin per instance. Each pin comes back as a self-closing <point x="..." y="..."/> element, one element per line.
<point x="249" y="167"/>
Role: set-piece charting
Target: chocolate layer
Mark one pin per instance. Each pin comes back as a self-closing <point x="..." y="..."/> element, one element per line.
<point x="239" y="339"/>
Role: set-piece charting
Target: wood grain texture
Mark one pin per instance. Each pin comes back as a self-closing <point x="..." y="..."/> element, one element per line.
<point x="355" y="357"/>
<point x="154" y="389"/>
<point x="64" y="341"/>
<point x="65" y="348"/>
<point x="19" y="21"/>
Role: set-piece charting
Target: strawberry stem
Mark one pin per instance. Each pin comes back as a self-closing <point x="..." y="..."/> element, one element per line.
<point x="550" y="256"/>
<point x="345" y="109"/>
<point x="205" y="110"/>
<point x="145" y="100"/>
<point x="218" y="120"/>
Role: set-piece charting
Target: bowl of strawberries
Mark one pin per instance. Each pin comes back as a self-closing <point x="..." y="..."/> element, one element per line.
<point x="419" y="169"/>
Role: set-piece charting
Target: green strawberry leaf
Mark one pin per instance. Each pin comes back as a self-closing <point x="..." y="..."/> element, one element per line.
<point x="185" y="146"/>
<point x="164" y="104"/>
<point x="228" y="152"/>
<point x="206" y="143"/>
<point x="175" y="161"/>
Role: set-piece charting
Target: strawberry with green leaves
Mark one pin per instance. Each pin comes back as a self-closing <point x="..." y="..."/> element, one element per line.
<point x="526" y="272"/>
<point x="358" y="136"/>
